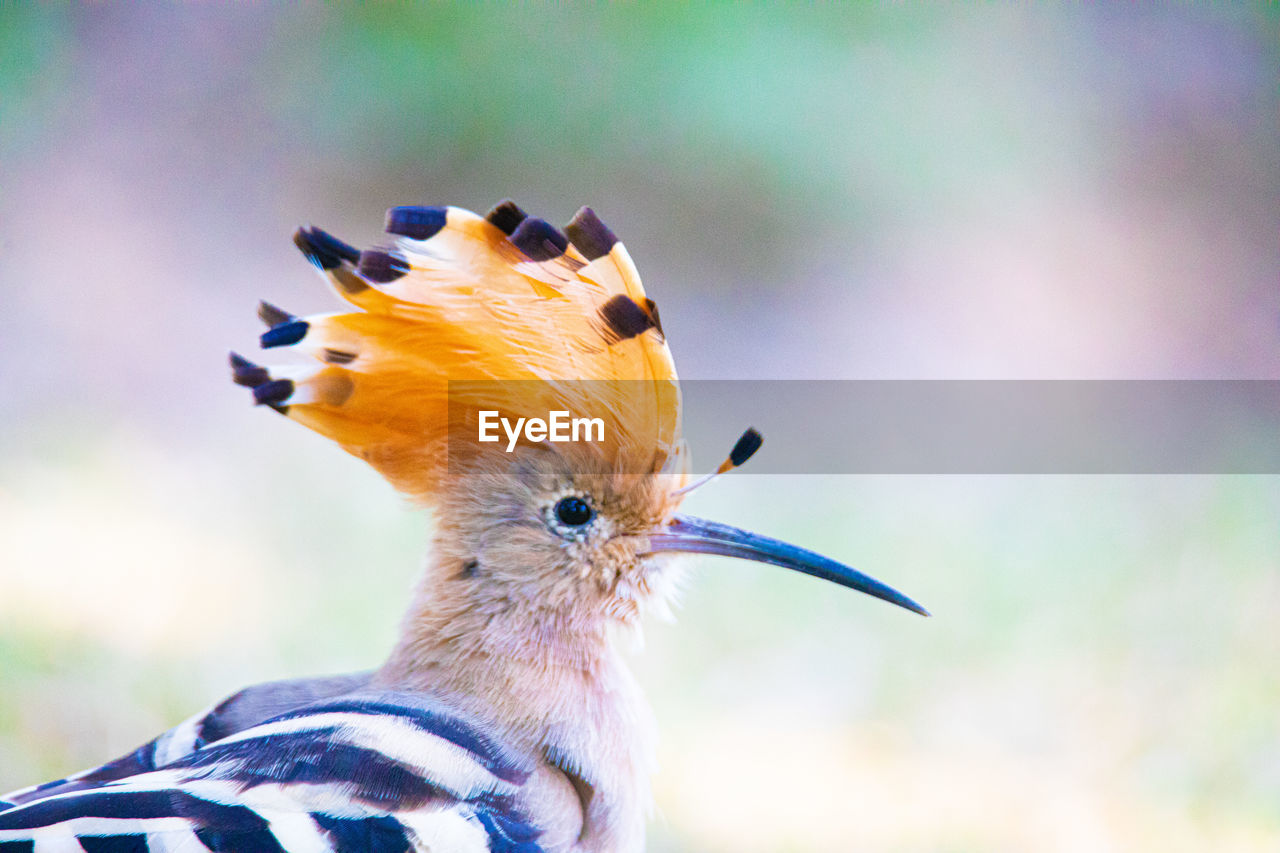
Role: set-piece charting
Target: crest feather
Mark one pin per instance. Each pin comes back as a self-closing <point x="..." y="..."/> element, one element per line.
<point x="532" y="318"/>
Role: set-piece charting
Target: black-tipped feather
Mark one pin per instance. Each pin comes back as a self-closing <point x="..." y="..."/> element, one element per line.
<point x="653" y="312"/>
<point x="415" y="221"/>
<point x="284" y="334"/>
<point x="589" y="235"/>
<point x="272" y="315"/>
<point x="323" y="249"/>
<point x="539" y="240"/>
<point x="746" y="447"/>
<point x="246" y="373"/>
<point x="273" y="392"/>
<point x="382" y="267"/>
<point x="624" y="319"/>
<point x="507" y="216"/>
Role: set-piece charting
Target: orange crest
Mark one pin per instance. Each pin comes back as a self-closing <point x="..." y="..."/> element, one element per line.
<point x="467" y="314"/>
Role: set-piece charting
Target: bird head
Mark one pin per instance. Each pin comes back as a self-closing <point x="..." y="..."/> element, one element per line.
<point x="473" y="340"/>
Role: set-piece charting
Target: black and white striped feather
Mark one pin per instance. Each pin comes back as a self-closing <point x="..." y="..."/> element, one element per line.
<point x="368" y="771"/>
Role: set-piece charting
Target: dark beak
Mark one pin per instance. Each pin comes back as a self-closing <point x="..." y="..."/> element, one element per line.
<point x="698" y="536"/>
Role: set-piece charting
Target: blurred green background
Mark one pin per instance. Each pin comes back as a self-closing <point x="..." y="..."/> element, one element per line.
<point x="861" y="192"/>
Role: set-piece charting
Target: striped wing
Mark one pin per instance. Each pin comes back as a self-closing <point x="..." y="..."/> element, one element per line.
<point x="245" y="708"/>
<point x="380" y="771"/>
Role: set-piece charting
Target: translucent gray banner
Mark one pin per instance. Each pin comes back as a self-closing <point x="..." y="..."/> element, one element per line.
<point x="992" y="427"/>
<point x="979" y="427"/>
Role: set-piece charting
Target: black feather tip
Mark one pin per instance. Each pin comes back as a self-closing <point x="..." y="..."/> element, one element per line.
<point x="653" y="312"/>
<point x="539" y="239"/>
<point x="246" y="373"/>
<point x="507" y="216"/>
<point x="746" y="446"/>
<point x="273" y="393"/>
<point x="323" y="249"/>
<point x="272" y="315"/>
<point x="382" y="267"/>
<point x="589" y="235"/>
<point x="416" y="222"/>
<point x="624" y="319"/>
<point x="284" y="334"/>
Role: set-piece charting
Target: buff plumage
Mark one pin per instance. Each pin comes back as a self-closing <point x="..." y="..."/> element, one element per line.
<point x="519" y="316"/>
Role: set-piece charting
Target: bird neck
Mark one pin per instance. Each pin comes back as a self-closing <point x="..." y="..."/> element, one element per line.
<point x="551" y="681"/>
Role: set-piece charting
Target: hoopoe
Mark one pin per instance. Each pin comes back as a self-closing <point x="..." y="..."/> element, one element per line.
<point x="504" y="718"/>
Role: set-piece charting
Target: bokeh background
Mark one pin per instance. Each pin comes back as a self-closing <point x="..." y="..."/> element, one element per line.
<point x="867" y="192"/>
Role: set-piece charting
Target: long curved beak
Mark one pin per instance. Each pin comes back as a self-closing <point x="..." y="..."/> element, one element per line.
<point x="699" y="536"/>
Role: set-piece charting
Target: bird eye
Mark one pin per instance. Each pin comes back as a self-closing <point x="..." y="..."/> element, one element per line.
<point x="574" y="512"/>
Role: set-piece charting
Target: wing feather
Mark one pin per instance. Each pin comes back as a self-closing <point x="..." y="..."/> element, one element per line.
<point x="380" y="772"/>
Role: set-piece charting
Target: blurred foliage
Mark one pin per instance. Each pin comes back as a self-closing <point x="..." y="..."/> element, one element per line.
<point x="811" y="192"/>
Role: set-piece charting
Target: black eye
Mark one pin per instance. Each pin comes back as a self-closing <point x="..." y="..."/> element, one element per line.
<point x="574" y="512"/>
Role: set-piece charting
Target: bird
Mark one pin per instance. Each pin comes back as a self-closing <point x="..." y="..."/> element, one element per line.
<point x="504" y="718"/>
